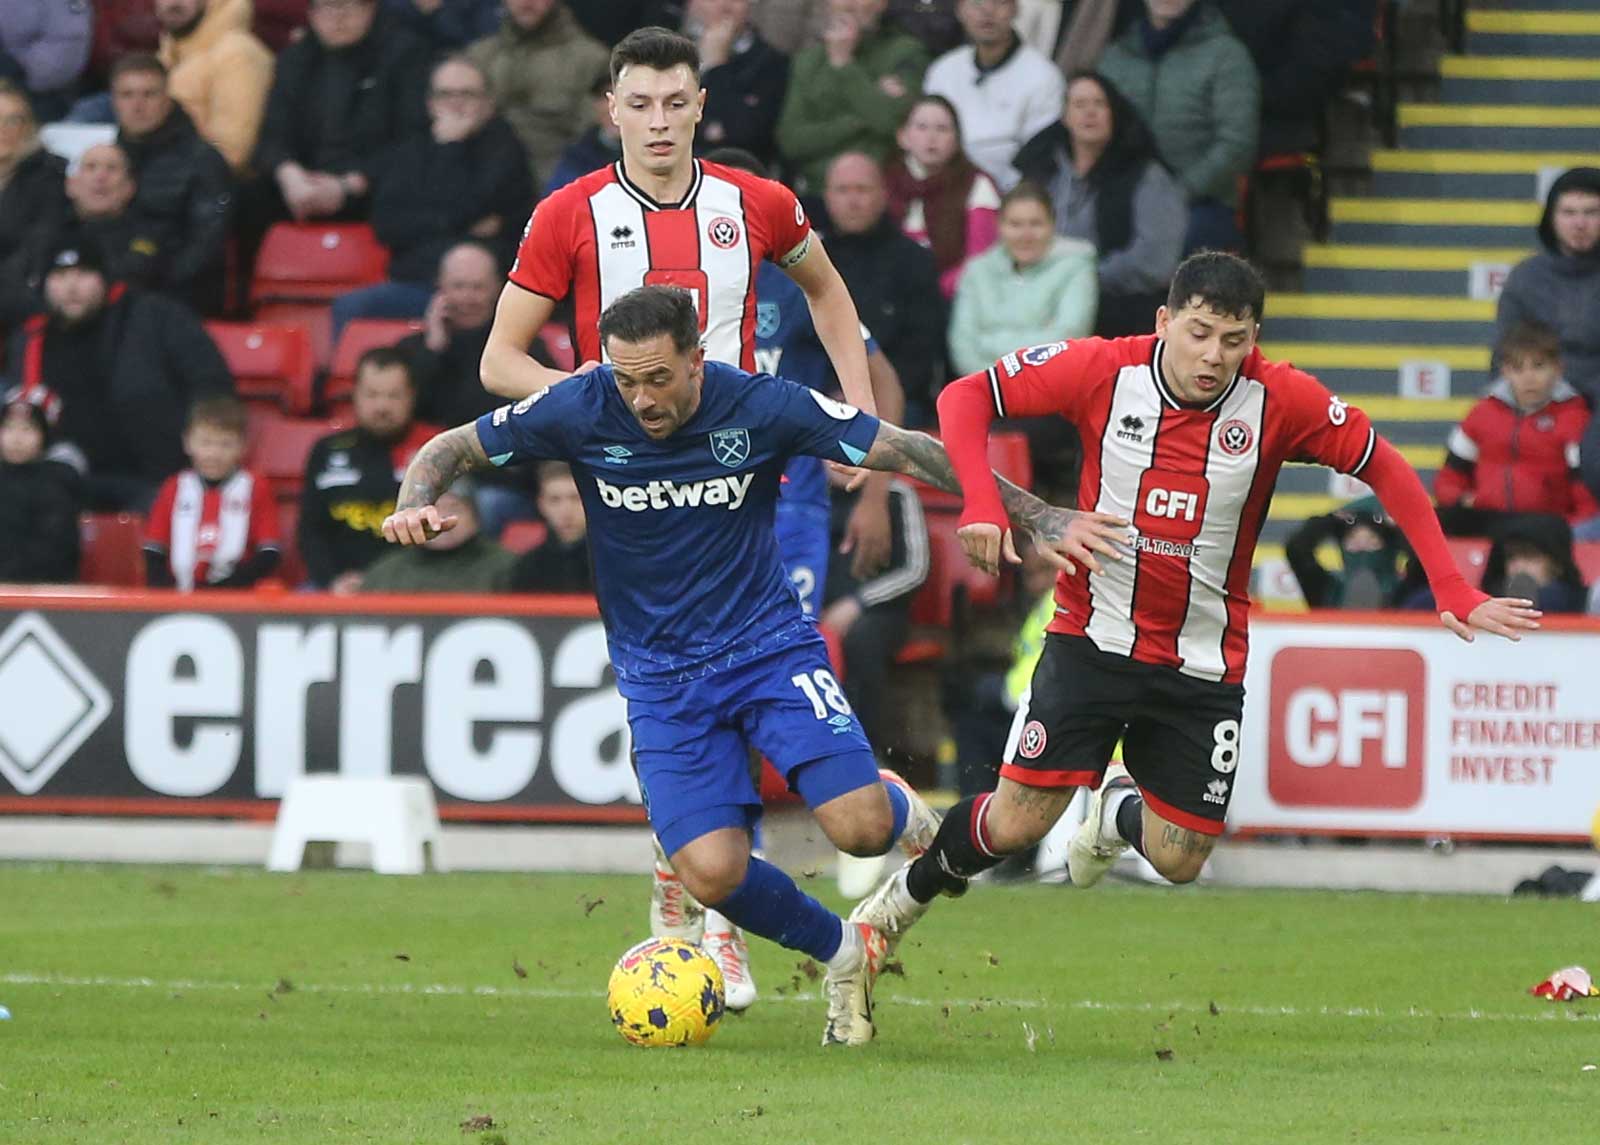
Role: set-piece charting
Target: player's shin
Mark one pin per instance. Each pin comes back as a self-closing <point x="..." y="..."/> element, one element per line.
<point x="769" y="903"/>
<point x="960" y="850"/>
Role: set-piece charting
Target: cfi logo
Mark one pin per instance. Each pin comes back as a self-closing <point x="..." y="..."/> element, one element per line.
<point x="723" y="232"/>
<point x="1236" y="437"/>
<point x="1033" y="741"/>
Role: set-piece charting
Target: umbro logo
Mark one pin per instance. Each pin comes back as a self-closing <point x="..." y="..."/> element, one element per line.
<point x="617" y="454"/>
<point x="1132" y="428"/>
<point x="1216" y="791"/>
<point x="622" y="238"/>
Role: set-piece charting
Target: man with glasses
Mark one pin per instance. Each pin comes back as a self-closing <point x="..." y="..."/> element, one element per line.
<point x="466" y="177"/>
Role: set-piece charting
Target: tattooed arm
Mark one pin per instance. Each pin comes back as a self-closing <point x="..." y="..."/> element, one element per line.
<point x="433" y="470"/>
<point x="1062" y="535"/>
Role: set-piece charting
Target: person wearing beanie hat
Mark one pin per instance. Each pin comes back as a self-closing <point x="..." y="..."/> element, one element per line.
<point x="40" y="492"/>
<point x="126" y="366"/>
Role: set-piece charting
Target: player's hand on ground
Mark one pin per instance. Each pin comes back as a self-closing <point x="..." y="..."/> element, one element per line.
<point x="416" y="526"/>
<point x="868" y="535"/>
<point x="1502" y="615"/>
<point x="985" y="544"/>
<point x="1068" y="538"/>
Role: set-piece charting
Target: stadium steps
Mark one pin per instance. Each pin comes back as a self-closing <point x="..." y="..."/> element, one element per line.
<point x="1432" y="222"/>
<point x="1445" y="272"/>
<point x="1506" y="127"/>
<point x="1533" y="33"/>
<point x="1519" y="80"/>
<point x="1471" y="175"/>
<point x="1378" y="319"/>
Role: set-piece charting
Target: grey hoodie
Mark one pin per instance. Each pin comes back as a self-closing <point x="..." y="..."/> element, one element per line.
<point x="1561" y="291"/>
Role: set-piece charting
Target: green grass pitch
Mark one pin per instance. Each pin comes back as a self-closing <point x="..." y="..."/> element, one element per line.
<point x="181" y="1005"/>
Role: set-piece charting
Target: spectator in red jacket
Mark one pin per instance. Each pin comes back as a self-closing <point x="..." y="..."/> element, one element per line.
<point x="1516" y="451"/>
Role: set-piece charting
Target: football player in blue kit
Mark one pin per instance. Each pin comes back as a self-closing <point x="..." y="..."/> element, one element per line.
<point x="679" y="461"/>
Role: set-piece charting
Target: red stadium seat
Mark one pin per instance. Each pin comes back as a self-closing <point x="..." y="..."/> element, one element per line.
<point x="359" y="336"/>
<point x="315" y="318"/>
<point x="278" y="448"/>
<point x="269" y="363"/>
<point x="951" y="580"/>
<point x="1008" y="456"/>
<point x="558" y="343"/>
<point x="1471" y="555"/>
<point x="1587" y="555"/>
<point x="112" y="549"/>
<point x="303" y="262"/>
<point x="523" y="536"/>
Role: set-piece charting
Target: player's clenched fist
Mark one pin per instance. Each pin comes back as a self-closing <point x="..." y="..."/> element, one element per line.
<point x="416" y="526"/>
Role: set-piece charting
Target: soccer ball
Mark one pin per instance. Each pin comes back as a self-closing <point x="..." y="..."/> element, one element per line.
<point x="665" y="992"/>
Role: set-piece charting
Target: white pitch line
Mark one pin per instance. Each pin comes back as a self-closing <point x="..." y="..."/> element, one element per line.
<point x="180" y="985"/>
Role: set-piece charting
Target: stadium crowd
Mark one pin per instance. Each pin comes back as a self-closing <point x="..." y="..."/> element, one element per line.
<point x="987" y="174"/>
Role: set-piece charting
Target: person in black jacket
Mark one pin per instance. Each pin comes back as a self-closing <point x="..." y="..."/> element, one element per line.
<point x="744" y="77"/>
<point x="892" y="278"/>
<point x="185" y="190"/>
<point x="352" y="86"/>
<point x="600" y="143"/>
<point x="1303" y="50"/>
<point x="872" y="616"/>
<point x="1108" y="187"/>
<point x="127" y="365"/>
<point x="40" y="493"/>
<point x="353" y="476"/>
<point x="32" y="197"/>
<point x="466" y="177"/>
<point x="561" y="562"/>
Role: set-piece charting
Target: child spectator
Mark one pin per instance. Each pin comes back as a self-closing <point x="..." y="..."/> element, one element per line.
<point x="215" y="524"/>
<point x="1372" y="550"/>
<point x="1516" y="451"/>
<point x="561" y="563"/>
<point x="936" y="194"/>
<point x="40" y="493"/>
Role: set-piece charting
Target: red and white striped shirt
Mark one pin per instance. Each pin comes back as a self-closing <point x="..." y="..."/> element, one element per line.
<point x="207" y="530"/>
<point x="1194" y="481"/>
<point x="602" y="236"/>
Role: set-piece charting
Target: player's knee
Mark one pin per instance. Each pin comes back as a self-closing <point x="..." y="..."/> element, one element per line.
<point x="1178" y="868"/>
<point x="711" y="880"/>
<point x="1008" y="832"/>
<point x="866" y="834"/>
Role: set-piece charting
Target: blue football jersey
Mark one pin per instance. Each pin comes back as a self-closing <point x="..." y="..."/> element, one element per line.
<point x="686" y="564"/>
<point x="787" y="346"/>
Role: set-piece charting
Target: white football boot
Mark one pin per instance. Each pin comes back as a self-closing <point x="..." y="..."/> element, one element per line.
<point x="724" y="942"/>
<point x="1096" y="845"/>
<point x="890" y="910"/>
<point x="848" y="986"/>
<point x="674" y="912"/>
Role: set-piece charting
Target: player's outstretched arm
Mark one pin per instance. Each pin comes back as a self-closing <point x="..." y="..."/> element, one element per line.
<point x="433" y="470"/>
<point x="1063" y="536"/>
<point x="1462" y="608"/>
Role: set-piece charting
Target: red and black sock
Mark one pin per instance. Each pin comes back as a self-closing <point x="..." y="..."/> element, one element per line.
<point x="960" y="850"/>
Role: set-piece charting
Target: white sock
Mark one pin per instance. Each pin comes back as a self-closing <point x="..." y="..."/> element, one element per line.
<point x="849" y="945"/>
<point x="1107" y="827"/>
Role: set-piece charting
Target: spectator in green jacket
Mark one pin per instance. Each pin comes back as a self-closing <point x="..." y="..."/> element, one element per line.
<point x="461" y="559"/>
<point x="1193" y="82"/>
<point x="540" y="65"/>
<point x="1030" y="288"/>
<point x="850" y="92"/>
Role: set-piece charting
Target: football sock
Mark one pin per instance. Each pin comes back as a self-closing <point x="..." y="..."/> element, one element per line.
<point x="769" y="903"/>
<point x="1130" y="819"/>
<point x="901" y="806"/>
<point x="958" y="852"/>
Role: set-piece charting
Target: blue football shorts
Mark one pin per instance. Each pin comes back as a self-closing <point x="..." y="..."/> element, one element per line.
<point x="690" y="741"/>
